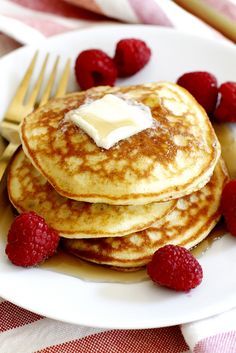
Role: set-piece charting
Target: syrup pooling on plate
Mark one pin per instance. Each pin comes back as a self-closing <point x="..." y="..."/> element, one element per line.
<point x="218" y="232"/>
<point x="69" y="265"/>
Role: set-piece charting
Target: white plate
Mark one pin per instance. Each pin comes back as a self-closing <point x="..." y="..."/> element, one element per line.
<point x="112" y="305"/>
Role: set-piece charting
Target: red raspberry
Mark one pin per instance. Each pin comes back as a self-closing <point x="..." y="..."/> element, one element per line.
<point x="226" y="110"/>
<point x="30" y="240"/>
<point x="175" y="267"/>
<point x="228" y="206"/>
<point x="131" y="56"/>
<point x="93" y="67"/>
<point x="203" y="86"/>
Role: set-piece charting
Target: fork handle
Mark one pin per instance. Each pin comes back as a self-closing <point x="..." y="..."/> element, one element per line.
<point x="6" y="157"/>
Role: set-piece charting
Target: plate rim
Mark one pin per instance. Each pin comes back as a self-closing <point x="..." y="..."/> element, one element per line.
<point x="217" y="41"/>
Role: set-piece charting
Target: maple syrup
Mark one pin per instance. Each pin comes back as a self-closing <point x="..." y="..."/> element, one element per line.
<point x="227" y="139"/>
<point x="218" y="232"/>
<point x="73" y="266"/>
<point x="2" y="145"/>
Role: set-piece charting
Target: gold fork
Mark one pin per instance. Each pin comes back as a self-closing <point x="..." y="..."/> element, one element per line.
<point x="18" y="109"/>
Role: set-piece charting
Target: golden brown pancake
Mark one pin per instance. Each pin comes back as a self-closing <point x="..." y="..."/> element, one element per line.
<point x="29" y="191"/>
<point x="188" y="224"/>
<point x="155" y="165"/>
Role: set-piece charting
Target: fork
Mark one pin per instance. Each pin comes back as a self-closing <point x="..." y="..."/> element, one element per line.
<point x="18" y="108"/>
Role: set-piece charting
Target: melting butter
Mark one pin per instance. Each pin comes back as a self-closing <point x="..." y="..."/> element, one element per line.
<point x="111" y="119"/>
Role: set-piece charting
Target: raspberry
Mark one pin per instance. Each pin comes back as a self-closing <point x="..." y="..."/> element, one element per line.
<point x="93" y="67"/>
<point x="30" y="240"/>
<point x="226" y="109"/>
<point x="203" y="86"/>
<point x="131" y="56"/>
<point x="175" y="267"/>
<point x="228" y="206"/>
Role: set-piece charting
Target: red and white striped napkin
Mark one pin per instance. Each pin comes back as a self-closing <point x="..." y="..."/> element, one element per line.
<point x="27" y="21"/>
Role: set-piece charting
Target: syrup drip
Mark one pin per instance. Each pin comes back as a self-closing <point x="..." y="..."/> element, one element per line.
<point x="2" y="145"/>
<point x="227" y="138"/>
<point x="218" y="232"/>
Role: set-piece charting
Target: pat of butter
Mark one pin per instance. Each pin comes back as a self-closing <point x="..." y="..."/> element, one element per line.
<point x="111" y="119"/>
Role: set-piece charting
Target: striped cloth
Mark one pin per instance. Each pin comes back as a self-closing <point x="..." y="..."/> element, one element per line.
<point x="24" y="21"/>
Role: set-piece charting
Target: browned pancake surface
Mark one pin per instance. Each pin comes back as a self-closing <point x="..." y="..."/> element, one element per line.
<point x="29" y="191"/>
<point x="154" y="165"/>
<point x="187" y="225"/>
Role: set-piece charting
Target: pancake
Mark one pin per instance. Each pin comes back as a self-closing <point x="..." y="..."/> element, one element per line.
<point x="188" y="224"/>
<point x="29" y="191"/>
<point x="154" y="165"/>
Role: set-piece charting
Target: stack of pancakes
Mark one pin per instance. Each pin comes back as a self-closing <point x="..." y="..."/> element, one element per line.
<point x="116" y="207"/>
